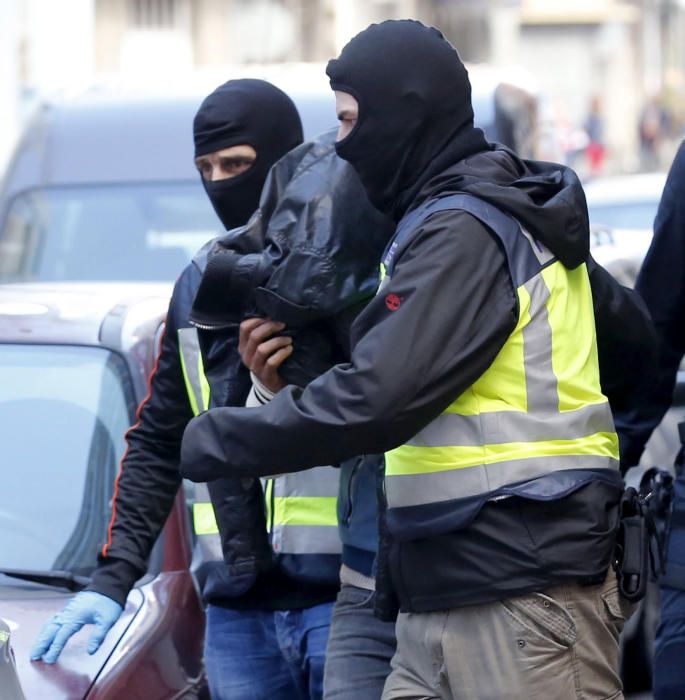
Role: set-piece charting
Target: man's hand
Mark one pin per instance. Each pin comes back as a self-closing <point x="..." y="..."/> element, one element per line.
<point x="86" y="607"/>
<point x="263" y="352"/>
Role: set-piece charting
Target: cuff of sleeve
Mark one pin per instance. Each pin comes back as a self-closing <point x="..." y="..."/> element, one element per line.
<point x="630" y="452"/>
<point x="262" y="393"/>
<point x="114" y="578"/>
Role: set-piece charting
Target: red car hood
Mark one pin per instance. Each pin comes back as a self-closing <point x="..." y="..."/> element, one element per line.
<point x="26" y="608"/>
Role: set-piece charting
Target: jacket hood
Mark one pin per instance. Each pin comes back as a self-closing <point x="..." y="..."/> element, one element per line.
<point x="547" y="199"/>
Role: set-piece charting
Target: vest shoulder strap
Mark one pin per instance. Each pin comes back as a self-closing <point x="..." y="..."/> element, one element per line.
<point x="526" y="255"/>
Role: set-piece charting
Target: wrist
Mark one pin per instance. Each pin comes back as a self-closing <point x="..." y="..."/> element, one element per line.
<point x="262" y="393"/>
<point x="114" y="578"/>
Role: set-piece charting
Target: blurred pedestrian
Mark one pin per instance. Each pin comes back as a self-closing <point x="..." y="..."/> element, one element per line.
<point x="475" y="369"/>
<point x="653" y="129"/>
<point x="596" y="148"/>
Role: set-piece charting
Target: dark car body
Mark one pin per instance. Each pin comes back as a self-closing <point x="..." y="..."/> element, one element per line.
<point x="154" y="651"/>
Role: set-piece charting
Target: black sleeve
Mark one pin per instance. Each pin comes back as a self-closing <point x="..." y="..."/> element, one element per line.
<point x="148" y="479"/>
<point x="626" y="341"/>
<point x="661" y="283"/>
<point x="436" y="327"/>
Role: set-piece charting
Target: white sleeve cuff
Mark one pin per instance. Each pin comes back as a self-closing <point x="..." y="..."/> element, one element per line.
<point x="259" y="394"/>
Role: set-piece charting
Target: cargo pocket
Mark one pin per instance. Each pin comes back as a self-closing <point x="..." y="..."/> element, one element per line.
<point x="541" y="636"/>
<point x="545" y="619"/>
<point x="617" y="609"/>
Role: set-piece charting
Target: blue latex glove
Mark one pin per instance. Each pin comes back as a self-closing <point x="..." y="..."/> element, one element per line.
<point x="86" y="607"/>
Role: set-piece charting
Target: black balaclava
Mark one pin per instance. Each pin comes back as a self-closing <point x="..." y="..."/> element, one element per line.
<point x="415" y="114"/>
<point x="251" y="112"/>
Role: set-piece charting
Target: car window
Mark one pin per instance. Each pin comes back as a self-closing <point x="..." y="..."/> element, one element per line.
<point x="133" y="232"/>
<point x="624" y="215"/>
<point x="63" y="414"/>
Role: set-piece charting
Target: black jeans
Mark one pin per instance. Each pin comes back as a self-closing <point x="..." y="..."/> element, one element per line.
<point x="360" y="647"/>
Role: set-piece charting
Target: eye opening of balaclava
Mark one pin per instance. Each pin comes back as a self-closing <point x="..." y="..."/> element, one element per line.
<point x="340" y="143"/>
<point x="251" y="112"/>
<point x="415" y="115"/>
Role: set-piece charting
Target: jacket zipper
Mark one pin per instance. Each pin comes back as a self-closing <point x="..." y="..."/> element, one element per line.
<point x="206" y="327"/>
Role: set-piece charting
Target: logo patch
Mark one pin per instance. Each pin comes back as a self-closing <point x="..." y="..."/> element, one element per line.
<point x="392" y="301"/>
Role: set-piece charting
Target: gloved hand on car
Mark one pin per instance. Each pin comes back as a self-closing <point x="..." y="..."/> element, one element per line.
<point x="86" y="607"/>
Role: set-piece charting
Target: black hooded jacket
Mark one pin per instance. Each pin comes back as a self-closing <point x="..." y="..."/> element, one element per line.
<point x="458" y="307"/>
<point x="409" y="361"/>
<point x="440" y="321"/>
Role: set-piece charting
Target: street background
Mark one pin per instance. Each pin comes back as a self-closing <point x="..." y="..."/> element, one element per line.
<point x="607" y="70"/>
<point x="607" y="76"/>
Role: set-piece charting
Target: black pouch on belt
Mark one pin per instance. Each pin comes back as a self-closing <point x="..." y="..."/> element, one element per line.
<point x="632" y="547"/>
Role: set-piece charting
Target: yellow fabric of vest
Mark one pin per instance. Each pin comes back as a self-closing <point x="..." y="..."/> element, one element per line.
<point x="539" y="407"/>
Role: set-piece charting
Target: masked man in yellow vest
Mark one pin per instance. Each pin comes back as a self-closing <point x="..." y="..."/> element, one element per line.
<point x="475" y="369"/>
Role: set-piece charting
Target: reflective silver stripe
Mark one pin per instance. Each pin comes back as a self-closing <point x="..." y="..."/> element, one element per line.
<point x="207" y="548"/>
<point x="454" y="430"/>
<point x="435" y="487"/>
<point x="196" y="492"/>
<point x="306" y="539"/>
<point x="189" y="345"/>
<point x="319" y="482"/>
<point x="543" y="255"/>
<point x="541" y="383"/>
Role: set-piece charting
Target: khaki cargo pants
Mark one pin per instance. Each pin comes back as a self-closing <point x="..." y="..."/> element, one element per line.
<point x="558" y="645"/>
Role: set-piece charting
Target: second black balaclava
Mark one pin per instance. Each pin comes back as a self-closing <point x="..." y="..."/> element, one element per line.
<point x="415" y="113"/>
<point x="251" y="112"/>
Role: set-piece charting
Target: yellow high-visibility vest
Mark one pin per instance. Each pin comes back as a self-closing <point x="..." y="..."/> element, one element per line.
<point x="537" y="409"/>
<point x="300" y="507"/>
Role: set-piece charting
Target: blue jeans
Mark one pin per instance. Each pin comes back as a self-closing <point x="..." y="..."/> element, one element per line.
<point x="264" y="655"/>
<point x="669" y="651"/>
<point x="359" y="649"/>
<point x="669" y="655"/>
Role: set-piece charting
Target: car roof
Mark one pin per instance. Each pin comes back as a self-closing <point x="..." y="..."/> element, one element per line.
<point x="625" y="188"/>
<point x="110" y="315"/>
<point x="135" y="133"/>
<point x="104" y="137"/>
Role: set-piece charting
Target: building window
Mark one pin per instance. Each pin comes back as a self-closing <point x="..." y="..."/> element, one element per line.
<point x="153" y="14"/>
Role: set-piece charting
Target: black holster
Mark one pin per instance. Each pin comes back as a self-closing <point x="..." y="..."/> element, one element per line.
<point x="641" y="537"/>
<point x="632" y="546"/>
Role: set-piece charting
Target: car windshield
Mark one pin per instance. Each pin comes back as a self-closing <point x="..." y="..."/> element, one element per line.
<point x="63" y="414"/>
<point x="624" y="215"/>
<point x="131" y="232"/>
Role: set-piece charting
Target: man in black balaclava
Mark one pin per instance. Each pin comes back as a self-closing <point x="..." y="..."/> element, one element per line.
<point x="267" y="640"/>
<point x="476" y="370"/>
<point x="411" y="126"/>
<point x="240" y="131"/>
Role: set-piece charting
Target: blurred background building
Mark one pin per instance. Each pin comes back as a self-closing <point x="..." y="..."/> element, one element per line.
<point x="608" y="72"/>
